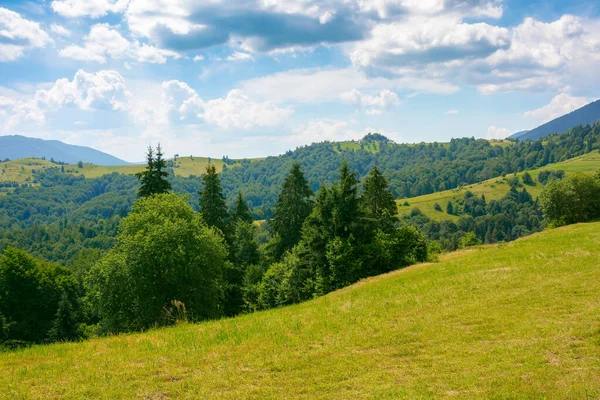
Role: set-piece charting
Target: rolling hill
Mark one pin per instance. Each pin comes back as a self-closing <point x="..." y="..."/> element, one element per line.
<point x="494" y="188"/>
<point x="517" y="320"/>
<point x="586" y="115"/>
<point x="16" y="147"/>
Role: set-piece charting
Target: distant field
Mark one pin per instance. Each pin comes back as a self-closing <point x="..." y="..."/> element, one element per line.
<point x="20" y="171"/>
<point x="518" y="321"/>
<point x="493" y="189"/>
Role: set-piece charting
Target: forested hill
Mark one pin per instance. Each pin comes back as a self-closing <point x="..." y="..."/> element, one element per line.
<point x="14" y="147"/>
<point x="412" y="170"/>
<point x="585" y="115"/>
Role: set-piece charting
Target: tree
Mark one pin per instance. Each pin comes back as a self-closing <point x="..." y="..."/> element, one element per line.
<point x="164" y="252"/>
<point x="527" y="179"/>
<point x="153" y="178"/>
<point x="377" y="201"/>
<point x="212" y="202"/>
<point x="469" y="239"/>
<point x="293" y="206"/>
<point x="80" y="164"/>
<point x="571" y="200"/>
<point x="64" y="326"/>
<point x="241" y="211"/>
<point x="450" y="208"/>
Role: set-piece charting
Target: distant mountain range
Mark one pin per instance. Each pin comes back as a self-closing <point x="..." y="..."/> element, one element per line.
<point x="584" y="116"/>
<point x="15" y="147"/>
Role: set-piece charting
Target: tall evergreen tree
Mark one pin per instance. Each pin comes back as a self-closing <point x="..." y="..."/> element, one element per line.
<point x="153" y="180"/>
<point x="64" y="326"/>
<point x="212" y="201"/>
<point x="346" y="203"/>
<point x="377" y="202"/>
<point x="293" y="206"/>
<point x="241" y="211"/>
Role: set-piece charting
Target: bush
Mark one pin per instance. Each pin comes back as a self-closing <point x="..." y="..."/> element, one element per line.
<point x="469" y="239"/>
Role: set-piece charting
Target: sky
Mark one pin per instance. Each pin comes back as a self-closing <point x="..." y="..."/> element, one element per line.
<point x="252" y="78"/>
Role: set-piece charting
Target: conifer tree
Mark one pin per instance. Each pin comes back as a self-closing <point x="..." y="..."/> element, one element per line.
<point x="212" y="201"/>
<point x="346" y="203"/>
<point x="153" y="179"/>
<point x="293" y="206"/>
<point x="64" y="327"/>
<point x="241" y="211"/>
<point x="377" y="202"/>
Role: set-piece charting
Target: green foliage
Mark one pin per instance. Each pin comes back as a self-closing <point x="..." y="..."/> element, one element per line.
<point x="437" y="207"/>
<point x="527" y="179"/>
<point x="293" y="207"/>
<point x="212" y="202"/>
<point x="377" y="201"/>
<point x="241" y="211"/>
<point x="450" y="208"/>
<point x="571" y="200"/>
<point x="65" y="326"/>
<point x="469" y="239"/>
<point x="31" y="292"/>
<point x="164" y="252"/>
<point x="545" y="176"/>
<point x="154" y="179"/>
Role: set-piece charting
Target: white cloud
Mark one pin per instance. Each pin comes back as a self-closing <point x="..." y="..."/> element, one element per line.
<point x="239" y="56"/>
<point x="560" y="105"/>
<point x="198" y="58"/>
<point x="88" y="8"/>
<point x="60" y="30"/>
<point x="451" y="112"/>
<point x="495" y="132"/>
<point x="373" y="105"/>
<point x="18" y="35"/>
<point x="103" y="41"/>
<point x="239" y="111"/>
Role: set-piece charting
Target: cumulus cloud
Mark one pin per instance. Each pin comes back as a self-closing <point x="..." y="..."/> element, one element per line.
<point x="239" y="111"/>
<point x="372" y="105"/>
<point x="495" y="132"/>
<point x="60" y="30"/>
<point x="105" y="42"/>
<point x="560" y="105"/>
<point x="18" y="35"/>
<point x="88" y="8"/>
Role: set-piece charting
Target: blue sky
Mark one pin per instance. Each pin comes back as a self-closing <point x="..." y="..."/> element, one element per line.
<point x="258" y="77"/>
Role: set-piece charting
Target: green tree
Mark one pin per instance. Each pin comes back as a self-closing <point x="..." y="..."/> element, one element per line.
<point x="527" y="179"/>
<point x="64" y="326"/>
<point x="212" y="202"/>
<point x="571" y="200"/>
<point x="164" y="252"/>
<point x="293" y="206"/>
<point x="241" y="211"/>
<point x="469" y="239"/>
<point x="450" y="208"/>
<point x="153" y="180"/>
<point x="377" y="201"/>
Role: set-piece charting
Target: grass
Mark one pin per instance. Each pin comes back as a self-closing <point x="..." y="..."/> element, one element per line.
<point x="515" y="321"/>
<point x="494" y="188"/>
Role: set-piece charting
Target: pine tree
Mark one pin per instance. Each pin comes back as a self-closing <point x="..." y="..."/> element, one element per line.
<point x="241" y="211"/>
<point x="64" y="327"/>
<point x="212" y="202"/>
<point x="377" y="201"/>
<point x="346" y="212"/>
<point x="153" y="179"/>
<point x="293" y="206"/>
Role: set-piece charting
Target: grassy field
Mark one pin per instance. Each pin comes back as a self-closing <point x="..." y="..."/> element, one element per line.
<point x="21" y="170"/>
<point x="516" y="321"/>
<point x="495" y="188"/>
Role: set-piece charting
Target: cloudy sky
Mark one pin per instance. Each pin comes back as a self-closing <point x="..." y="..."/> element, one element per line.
<point x="249" y="78"/>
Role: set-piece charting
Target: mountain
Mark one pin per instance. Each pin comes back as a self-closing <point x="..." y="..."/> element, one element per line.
<point x="14" y="147"/>
<point x="584" y="116"/>
<point x="487" y="318"/>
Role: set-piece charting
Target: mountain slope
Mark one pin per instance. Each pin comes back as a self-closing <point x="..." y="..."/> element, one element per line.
<point x="514" y="321"/>
<point x="584" y="116"/>
<point x="15" y="147"/>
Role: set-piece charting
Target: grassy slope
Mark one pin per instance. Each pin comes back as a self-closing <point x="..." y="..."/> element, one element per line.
<point x="519" y="321"/>
<point x="493" y="189"/>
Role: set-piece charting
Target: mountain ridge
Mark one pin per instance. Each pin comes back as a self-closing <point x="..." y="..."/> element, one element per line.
<point x="15" y="147"/>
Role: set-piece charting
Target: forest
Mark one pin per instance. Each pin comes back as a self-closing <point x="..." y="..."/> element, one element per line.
<point x="84" y="257"/>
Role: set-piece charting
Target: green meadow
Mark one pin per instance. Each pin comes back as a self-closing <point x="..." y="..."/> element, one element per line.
<point x="494" y="188"/>
<point x="517" y="320"/>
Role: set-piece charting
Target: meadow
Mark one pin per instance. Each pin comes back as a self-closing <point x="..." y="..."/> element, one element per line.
<point x="517" y="320"/>
<point x="494" y="188"/>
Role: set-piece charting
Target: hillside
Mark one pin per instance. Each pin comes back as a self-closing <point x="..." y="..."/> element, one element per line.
<point x="585" y="115"/>
<point x="16" y="147"/>
<point x="512" y="321"/>
<point x="494" y="188"/>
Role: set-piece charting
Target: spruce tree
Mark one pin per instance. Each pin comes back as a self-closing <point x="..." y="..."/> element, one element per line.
<point x="378" y="203"/>
<point x="153" y="178"/>
<point x="346" y="203"/>
<point x="293" y="206"/>
<point x="241" y="211"/>
<point x="64" y="327"/>
<point x="212" y="202"/>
